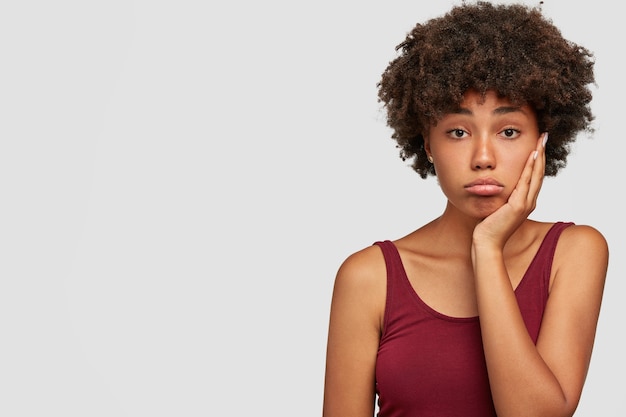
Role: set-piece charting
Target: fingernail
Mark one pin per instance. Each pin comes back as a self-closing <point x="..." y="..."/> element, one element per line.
<point x="545" y="139"/>
<point x="535" y="155"/>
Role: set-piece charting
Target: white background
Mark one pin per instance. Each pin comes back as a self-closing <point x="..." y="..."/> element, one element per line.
<point x="180" y="181"/>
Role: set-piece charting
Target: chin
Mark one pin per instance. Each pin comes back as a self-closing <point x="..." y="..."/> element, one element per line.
<point x="484" y="207"/>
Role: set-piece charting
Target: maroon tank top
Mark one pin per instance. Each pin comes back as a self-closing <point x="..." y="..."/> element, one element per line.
<point x="433" y="365"/>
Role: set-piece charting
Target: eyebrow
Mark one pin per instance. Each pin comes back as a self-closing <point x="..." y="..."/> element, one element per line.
<point x="497" y="111"/>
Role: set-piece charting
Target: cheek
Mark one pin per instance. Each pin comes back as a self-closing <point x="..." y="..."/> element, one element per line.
<point x="451" y="163"/>
<point x="448" y="174"/>
<point x="515" y="163"/>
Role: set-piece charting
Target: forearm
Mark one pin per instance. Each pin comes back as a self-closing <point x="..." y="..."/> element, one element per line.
<point x="521" y="382"/>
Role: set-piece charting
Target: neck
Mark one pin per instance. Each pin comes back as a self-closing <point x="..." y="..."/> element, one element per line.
<point x="453" y="230"/>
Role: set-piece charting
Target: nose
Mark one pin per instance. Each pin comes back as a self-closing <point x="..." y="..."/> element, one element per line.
<point x="483" y="156"/>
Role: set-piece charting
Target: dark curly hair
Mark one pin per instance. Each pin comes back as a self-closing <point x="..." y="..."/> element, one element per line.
<point x="511" y="49"/>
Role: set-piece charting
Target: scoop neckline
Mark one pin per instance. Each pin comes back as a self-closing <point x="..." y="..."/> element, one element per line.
<point x="432" y="311"/>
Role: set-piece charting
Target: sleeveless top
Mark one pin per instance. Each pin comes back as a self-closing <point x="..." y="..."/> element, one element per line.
<point x="432" y="365"/>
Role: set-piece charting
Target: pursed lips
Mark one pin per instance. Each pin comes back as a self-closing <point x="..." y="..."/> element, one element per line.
<point x="484" y="187"/>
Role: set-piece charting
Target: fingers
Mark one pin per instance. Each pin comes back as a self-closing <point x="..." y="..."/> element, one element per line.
<point x="531" y="179"/>
<point x="539" y="165"/>
<point x="538" y="170"/>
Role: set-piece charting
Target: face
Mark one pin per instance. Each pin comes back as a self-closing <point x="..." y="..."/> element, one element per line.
<point x="480" y="150"/>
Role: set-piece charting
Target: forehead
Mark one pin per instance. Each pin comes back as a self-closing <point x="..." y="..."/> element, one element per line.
<point x="490" y="102"/>
<point x="472" y="98"/>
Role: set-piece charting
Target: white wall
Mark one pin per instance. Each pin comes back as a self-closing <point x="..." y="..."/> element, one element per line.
<point x="181" y="180"/>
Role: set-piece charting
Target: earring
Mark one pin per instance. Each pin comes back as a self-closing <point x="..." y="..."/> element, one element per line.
<point x="430" y="158"/>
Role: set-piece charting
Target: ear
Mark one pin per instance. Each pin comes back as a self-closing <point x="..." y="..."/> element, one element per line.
<point x="427" y="145"/>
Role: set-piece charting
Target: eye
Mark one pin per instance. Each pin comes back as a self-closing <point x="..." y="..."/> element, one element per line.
<point x="457" y="133"/>
<point x="510" y="133"/>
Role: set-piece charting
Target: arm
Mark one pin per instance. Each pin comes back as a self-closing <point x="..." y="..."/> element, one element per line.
<point x="354" y="332"/>
<point x="546" y="379"/>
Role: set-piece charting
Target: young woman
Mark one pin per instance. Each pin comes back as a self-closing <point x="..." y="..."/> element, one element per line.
<point x="482" y="311"/>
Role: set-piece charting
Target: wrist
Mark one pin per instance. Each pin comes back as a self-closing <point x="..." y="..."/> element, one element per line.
<point x="485" y="251"/>
<point x="484" y="244"/>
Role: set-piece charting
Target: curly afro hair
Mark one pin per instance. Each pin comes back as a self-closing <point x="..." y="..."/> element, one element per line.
<point x="510" y="49"/>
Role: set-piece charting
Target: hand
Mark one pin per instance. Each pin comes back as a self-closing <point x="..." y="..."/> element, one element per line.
<point x="496" y="228"/>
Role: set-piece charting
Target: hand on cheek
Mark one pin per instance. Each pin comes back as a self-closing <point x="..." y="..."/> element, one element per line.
<point x="500" y="225"/>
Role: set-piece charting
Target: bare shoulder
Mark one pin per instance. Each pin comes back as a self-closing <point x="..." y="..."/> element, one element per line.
<point x="583" y="251"/>
<point x="361" y="282"/>
<point x="582" y="240"/>
<point x="364" y="269"/>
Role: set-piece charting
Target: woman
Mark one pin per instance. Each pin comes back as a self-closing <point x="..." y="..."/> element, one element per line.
<point x="482" y="311"/>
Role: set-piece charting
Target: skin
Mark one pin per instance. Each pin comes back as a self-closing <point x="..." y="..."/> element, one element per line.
<point x="470" y="259"/>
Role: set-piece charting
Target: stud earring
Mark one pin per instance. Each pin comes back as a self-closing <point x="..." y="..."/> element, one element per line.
<point x="430" y="158"/>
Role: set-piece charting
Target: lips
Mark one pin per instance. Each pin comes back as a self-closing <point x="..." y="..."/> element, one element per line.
<point x="484" y="187"/>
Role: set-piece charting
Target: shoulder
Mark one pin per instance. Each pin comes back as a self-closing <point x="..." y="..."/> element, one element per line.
<point x="582" y="251"/>
<point x="361" y="282"/>
<point x="364" y="269"/>
<point x="582" y="239"/>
